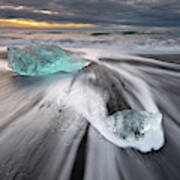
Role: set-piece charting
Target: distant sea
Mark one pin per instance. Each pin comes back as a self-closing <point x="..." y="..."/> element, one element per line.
<point x="127" y="40"/>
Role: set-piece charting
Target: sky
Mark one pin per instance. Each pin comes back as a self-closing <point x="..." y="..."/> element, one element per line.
<point x="89" y="13"/>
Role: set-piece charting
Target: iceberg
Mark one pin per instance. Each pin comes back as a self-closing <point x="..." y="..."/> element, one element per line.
<point x="42" y="59"/>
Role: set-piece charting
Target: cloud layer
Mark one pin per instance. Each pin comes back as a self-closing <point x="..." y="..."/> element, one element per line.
<point x="101" y="12"/>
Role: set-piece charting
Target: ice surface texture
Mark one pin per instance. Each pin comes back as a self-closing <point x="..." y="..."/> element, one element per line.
<point x="132" y="125"/>
<point x="41" y="59"/>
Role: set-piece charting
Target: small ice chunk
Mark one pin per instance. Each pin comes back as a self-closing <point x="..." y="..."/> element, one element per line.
<point x="132" y="128"/>
<point x="131" y="125"/>
<point x="42" y="59"/>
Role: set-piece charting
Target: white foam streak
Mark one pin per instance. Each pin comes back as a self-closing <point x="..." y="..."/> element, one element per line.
<point x="90" y="102"/>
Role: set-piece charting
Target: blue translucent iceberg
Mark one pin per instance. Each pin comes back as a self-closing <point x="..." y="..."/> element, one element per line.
<point x="41" y="59"/>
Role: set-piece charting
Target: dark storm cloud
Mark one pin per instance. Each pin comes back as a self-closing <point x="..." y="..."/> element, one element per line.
<point x="103" y="12"/>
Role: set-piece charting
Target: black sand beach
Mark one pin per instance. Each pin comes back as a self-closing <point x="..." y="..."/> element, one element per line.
<point x="40" y="142"/>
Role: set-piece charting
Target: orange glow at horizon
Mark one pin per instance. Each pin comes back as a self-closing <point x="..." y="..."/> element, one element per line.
<point x="40" y="24"/>
<point x="161" y="28"/>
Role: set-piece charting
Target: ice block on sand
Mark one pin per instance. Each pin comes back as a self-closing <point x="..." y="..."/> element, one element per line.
<point x="132" y="124"/>
<point x="42" y="59"/>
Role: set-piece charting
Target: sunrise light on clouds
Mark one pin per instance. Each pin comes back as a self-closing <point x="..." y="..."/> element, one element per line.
<point x="40" y="24"/>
